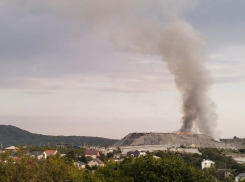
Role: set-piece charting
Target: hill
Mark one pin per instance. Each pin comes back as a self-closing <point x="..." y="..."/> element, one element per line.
<point x="173" y="139"/>
<point x="11" y="135"/>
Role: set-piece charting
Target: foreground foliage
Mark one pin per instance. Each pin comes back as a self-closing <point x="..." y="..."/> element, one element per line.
<point x="52" y="169"/>
<point x="147" y="169"/>
<point x="168" y="168"/>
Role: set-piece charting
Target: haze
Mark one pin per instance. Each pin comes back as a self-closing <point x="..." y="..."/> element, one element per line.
<point x="62" y="74"/>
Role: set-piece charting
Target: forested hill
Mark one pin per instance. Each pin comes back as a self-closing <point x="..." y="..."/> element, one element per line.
<point x="11" y="135"/>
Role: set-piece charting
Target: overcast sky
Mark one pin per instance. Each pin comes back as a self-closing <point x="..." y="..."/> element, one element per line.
<point x="63" y="73"/>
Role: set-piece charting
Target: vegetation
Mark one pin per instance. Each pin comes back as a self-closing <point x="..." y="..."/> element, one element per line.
<point x="51" y="169"/>
<point x="218" y="156"/>
<point x="143" y="169"/>
<point x="11" y="135"/>
<point x="170" y="167"/>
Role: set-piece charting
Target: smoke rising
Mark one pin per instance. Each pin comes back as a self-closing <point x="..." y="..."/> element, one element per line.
<point x="184" y="52"/>
<point x="151" y="27"/>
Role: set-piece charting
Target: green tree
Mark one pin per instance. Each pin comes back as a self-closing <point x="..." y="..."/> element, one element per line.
<point x="109" y="155"/>
<point x="147" y="169"/>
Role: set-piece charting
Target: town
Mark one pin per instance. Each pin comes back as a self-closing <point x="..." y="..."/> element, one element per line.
<point x="92" y="160"/>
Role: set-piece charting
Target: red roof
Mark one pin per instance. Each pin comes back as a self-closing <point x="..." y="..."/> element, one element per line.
<point x="50" y="152"/>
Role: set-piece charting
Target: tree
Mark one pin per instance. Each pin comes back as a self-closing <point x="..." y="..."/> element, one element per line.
<point x="71" y="155"/>
<point x="147" y="169"/>
<point x="109" y="155"/>
<point x="51" y="169"/>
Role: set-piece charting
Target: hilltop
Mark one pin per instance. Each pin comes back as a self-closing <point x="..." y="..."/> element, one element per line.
<point x="11" y="135"/>
<point x="173" y="139"/>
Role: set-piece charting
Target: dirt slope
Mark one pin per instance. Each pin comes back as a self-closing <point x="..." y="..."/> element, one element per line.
<point x="172" y="139"/>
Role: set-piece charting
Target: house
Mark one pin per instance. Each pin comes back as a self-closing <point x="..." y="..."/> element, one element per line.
<point x="96" y="162"/>
<point x="109" y="150"/>
<point x="38" y="154"/>
<point x="80" y="165"/>
<point x="124" y="153"/>
<point x="49" y="153"/>
<point x="92" y="153"/>
<point x="133" y="153"/>
<point x="227" y="173"/>
<point x="102" y="149"/>
<point x="11" y="148"/>
<point x="136" y="153"/>
<point x="207" y="163"/>
<point x="240" y="177"/>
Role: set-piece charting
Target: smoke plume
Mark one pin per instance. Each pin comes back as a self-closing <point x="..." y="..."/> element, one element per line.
<point x="153" y="27"/>
<point x="184" y="52"/>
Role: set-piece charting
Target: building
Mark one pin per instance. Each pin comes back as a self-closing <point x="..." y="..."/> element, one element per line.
<point x="142" y="153"/>
<point x="61" y="145"/>
<point x="92" y="153"/>
<point x="11" y="148"/>
<point x="96" y="162"/>
<point x="227" y="173"/>
<point x="80" y="165"/>
<point x="49" y="153"/>
<point x="207" y="163"/>
<point x="135" y="153"/>
<point x="240" y="177"/>
<point x="38" y="154"/>
<point x="124" y="153"/>
<point x="62" y="155"/>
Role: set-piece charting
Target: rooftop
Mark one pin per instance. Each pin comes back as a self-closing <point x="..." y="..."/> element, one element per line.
<point x="91" y="152"/>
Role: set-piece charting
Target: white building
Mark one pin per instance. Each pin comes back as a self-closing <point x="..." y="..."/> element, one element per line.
<point x="38" y="154"/>
<point x="142" y="153"/>
<point x="207" y="164"/>
<point x="11" y="148"/>
<point x="240" y="176"/>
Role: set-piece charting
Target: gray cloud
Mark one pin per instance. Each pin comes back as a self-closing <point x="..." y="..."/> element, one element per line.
<point x="221" y="22"/>
<point x="37" y="42"/>
<point x="230" y="78"/>
<point x="26" y="34"/>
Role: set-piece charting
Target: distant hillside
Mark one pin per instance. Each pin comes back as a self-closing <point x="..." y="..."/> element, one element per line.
<point x="11" y="135"/>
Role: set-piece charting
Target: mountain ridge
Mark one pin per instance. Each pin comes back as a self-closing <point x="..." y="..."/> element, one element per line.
<point x="12" y="135"/>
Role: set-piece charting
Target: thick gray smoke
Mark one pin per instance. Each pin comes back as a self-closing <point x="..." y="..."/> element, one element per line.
<point x="184" y="52"/>
<point x="151" y="27"/>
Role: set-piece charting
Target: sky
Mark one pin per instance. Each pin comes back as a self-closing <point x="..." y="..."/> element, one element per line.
<point x="66" y="69"/>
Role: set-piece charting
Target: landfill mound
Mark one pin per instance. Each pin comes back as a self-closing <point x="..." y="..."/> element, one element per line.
<point x="173" y="139"/>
